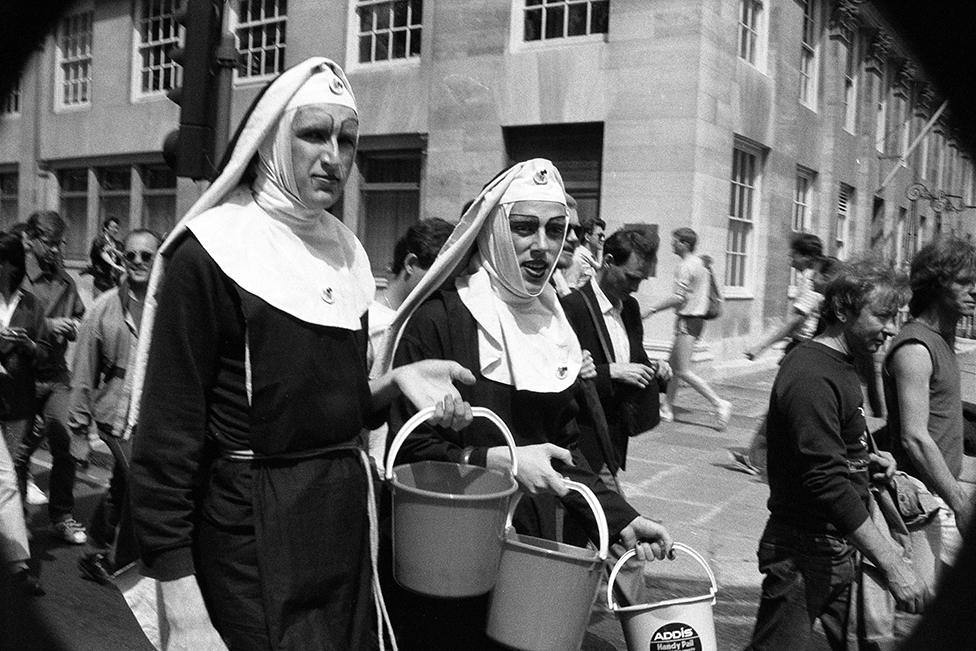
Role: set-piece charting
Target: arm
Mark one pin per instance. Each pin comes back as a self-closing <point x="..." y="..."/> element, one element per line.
<point x="194" y="308"/>
<point x="792" y="324"/>
<point x="911" y="366"/>
<point x="678" y="298"/>
<point x="85" y="372"/>
<point x="909" y="591"/>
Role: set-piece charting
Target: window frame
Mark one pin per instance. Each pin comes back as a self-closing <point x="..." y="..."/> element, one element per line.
<point x="61" y="61"/>
<point x="11" y="104"/>
<point x="881" y="112"/>
<point x="812" y="28"/>
<point x="737" y="186"/>
<point x="844" y="217"/>
<point x="517" y="27"/>
<point x="852" y="74"/>
<point x="757" y="28"/>
<point x="139" y="8"/>
<point x="354" y="34"/>
<point x="7" y="198"/>
<point x="236" y="25"/>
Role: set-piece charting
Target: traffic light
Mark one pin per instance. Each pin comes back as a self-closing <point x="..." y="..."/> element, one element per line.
<point x="189" y="150"/>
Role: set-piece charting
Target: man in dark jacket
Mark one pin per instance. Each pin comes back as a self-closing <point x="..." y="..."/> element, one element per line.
<point x="607" y="322"/>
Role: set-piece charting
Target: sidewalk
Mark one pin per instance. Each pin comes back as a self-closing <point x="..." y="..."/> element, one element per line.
<point x="681" y="473"/>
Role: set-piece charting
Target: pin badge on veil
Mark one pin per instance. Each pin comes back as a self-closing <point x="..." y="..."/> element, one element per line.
<point x="541" y="177"/>
<point x="336" y="86"/>
<point x="327" y="295"/>
<point x="561" y="372"/>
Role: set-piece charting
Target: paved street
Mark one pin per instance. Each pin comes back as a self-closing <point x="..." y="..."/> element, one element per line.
<point x="679" y="473"/>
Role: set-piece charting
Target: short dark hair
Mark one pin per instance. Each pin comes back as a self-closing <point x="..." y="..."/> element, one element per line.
<point x="629" y="240"/>
<point x="45" y="219"/>
<point x="865" y="281"/>
<point x="424" y="239"/>
<point x="807" y="244"/>
<point x="12" y="251"/>
<point x="590" y="224"/>
<point x="111" y="220"/>
<point x="935" y="267"/>
<point x="686" y="236"/>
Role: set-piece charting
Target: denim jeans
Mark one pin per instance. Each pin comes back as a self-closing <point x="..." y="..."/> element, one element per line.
<point x="52" y="404"/>
<point x="808" y="576"/>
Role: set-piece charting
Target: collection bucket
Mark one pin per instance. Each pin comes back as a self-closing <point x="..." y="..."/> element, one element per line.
<point x="679" y="624"/>
<point x="448" y="518"/>
<point x="545" y="589"/>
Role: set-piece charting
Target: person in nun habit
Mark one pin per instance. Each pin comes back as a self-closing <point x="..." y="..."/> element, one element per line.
<point x="252" y="496"/>
<point x="502" y="319"/>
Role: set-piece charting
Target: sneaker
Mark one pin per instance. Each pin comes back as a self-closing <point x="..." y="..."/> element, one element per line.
<point x="667" y="416"/>
<point x="35" y="496"/>
<point x="70" y="530"/>
<point x="27" y="584"/>
<point x="95" y="567"/>
<point x="742" y="463"/>
<point x="724" y="413"/>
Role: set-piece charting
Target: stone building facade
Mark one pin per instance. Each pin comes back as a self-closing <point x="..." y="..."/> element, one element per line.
<point x="744" y="119"/>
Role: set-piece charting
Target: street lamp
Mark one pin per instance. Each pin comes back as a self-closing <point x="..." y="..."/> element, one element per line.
<point x="940" y="202"/>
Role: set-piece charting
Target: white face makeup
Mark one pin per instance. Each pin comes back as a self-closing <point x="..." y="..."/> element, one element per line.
<point x="538" y="230"/>
<point x="323" y="148"/>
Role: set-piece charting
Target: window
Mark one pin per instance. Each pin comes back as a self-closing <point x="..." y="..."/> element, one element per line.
<point x="9" y="186"/>
<point x="901" y="236"/>
<point x="809" y="48"/>
<point x="881" y="114"/>
<point x="157" y="31"/>
<point x="549" y="19"/>
<point x="743" y="205"/>
<point x="10" y="105"/>
<point x="905" y="128"/>
<point x="139" y="196"/>
<point x="158" y="198"/>
<point x="390" y="200"/>
<point x="260" y="32"/>
<point x="923" y="157"/>
<point x="74" y="53"/>
<point x="801" y="200"/>
<point x="750" y="31"/>
<point x="851" y="68"/>
<point x="389" y="30"/>
<point x="842" y="228"/>
<point x="73" y="185"/>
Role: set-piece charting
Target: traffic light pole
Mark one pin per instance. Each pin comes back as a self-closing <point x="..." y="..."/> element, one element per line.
<point x="226" y="62"/>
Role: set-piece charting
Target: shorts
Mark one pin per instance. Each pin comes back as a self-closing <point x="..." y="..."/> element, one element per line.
<point x="689" y="325"/>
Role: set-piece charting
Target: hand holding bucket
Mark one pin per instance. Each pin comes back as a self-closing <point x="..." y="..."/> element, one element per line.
<point x="448" y="518"/>
<point x="659" y="625"/>
<point x="545" y="589"/>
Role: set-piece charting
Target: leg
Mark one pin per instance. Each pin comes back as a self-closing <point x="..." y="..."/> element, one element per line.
<point x="63" y="453"/>
<point x="783" y="620"/>
<point x="681" y="354"/>
<point x="14" y="546"/>
<point x="102" y="530"/>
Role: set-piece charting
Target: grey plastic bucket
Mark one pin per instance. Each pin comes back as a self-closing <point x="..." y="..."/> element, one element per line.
<point x="448" y="518"/>
<point x="545" y="589"/>
<point x="683" y="623"/>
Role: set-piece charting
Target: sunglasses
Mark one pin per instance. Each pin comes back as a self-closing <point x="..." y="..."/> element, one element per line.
<point x="141" y="256"/>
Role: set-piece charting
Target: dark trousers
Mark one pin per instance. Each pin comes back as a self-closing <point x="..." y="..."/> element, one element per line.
<point x="808" y="576"/>
<point x="52" y="405"/>
<point x="108" y="513"/>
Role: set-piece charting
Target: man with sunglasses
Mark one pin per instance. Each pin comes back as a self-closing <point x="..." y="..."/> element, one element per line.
<point x="588" y="256"/>
<point x="106" y="339"/>
<point x="47" y="279"/>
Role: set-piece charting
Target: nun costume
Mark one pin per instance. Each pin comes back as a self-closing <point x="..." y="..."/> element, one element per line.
<point x="502" y="319"/>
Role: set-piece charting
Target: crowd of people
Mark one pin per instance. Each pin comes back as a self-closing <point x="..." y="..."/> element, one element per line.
<point x="245" y="378"/>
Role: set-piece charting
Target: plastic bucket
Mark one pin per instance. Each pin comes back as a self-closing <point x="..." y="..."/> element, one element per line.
<point x="672" y="625"/>
<point x="545" y="589"/>
<point x="448" y="518"/>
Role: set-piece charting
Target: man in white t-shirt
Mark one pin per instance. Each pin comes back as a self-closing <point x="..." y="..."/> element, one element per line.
<point x="690" y="301"/>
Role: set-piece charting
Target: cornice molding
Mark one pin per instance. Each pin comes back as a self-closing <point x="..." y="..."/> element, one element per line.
<point x="905" y="78"/>
<point x="878" y="51"/>
<point x="845" y="19"/>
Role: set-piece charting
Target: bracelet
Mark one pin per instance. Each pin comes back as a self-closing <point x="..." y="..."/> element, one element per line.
<point x="466" y="455"/>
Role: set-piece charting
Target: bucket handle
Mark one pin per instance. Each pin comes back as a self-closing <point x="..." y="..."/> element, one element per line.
<point x="685" y="548"/>
<point x="603" y="528"/>
<point x="421" y="417"/>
